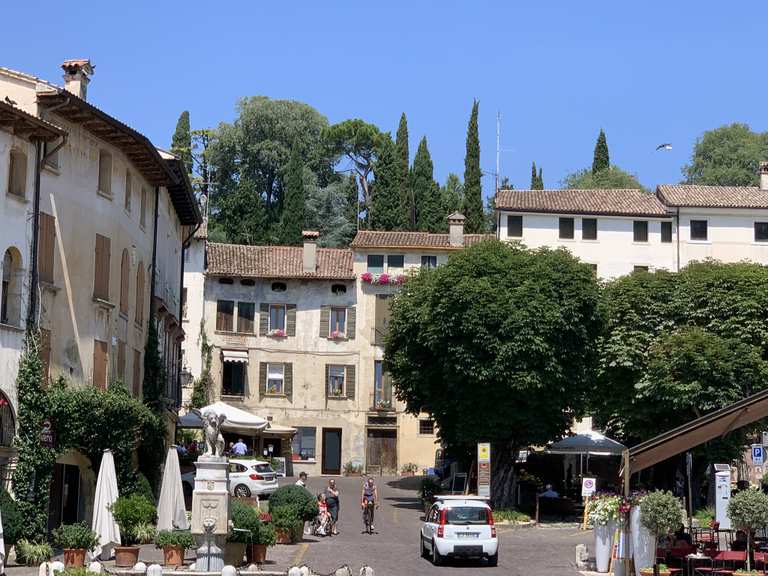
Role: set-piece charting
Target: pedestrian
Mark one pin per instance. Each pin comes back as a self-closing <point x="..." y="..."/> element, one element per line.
<point x="302" y="481"/>
<point x="332" y="500"/>
<point x="240" y="449"/>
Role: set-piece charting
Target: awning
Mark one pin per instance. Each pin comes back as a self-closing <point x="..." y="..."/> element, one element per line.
<point x="278" y="430"/>
<point x="237" y="420"/>
<point x="235" y="356"/>
<point x="189" y="420"/>
<point x="588" y="442"/>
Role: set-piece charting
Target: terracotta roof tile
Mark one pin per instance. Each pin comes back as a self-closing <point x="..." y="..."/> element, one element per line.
<point x="697" y="196"/>
<point x="394" y="239"/>
<point x="616" y="202"/>
<point x="277" y="262"/>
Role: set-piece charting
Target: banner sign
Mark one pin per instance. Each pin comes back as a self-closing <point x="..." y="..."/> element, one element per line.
<point x="484" y="469"/>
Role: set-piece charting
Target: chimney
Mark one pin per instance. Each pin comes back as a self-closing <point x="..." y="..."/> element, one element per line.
<point x="456" y="229"/>
<point x="310" y="250"/>
<point x="764" y="176"/>
<point x="76" y="76"/>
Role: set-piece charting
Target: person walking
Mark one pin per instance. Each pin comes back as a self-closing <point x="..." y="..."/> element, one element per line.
<point x="332" y="500"/>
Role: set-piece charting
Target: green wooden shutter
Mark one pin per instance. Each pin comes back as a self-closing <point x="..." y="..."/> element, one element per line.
<point x="350" y="382"/>
<point x="290" y="323"/>
<point x="288" y="380"/>
<point x="327" y="381"/>
<point x="325" y="321"/>
<point x="351" y="322"/>
<point x="262" y="379"/>
<point x="263" y="319"/>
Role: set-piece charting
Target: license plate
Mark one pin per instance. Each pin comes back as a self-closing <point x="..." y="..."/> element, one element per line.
<point x="468" y="535"/>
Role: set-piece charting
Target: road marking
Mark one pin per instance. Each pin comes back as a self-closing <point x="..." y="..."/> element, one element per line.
<point x="300" y="554"/>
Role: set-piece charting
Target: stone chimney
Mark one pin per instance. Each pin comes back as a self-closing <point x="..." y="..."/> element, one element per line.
<point x="456" y="229"/>
<point x="76" y="76"/>
<point x="764" y="176"/>
<point x="310" y="250"/>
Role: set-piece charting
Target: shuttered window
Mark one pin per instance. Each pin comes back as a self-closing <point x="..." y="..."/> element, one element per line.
<point x="245" y="315"/>
<point x="128" y="190"/>
<point x="136" y="373"/>
<point x="290" y="319"/>
<point x="125" y="272"/>
<point x="340" y="381"/>
<point x="140" y="295"/>
<point x="276" y="379"/>
<point x="100" y="354"/>
<point x="338" y="326"/>
<point x="143" y="208"/>
<point x="17" y="174"/>
<point x="277" y="317"/>
<point x="101" y="268"/>
<point x="46" y="247"/>
<point x="224" y="315"/>
<point x="105" y="172"/>
<point x="121" y="361"/>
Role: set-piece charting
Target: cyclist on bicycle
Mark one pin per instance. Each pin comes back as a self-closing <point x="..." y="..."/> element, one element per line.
<point x="370" y="498"/>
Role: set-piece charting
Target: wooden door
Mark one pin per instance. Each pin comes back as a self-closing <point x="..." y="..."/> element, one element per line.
<point x="331" y="463"/>
<point x="382" y="450"/>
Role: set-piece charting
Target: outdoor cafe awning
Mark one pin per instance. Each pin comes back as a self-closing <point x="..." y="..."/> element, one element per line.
<point x="240" y="356"/>
<point x="590" y="443"/>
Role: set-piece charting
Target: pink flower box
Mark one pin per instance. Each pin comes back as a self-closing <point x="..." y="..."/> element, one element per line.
<point x="366" y="277"/>
<point x="383" y="278"/>
<point x="336" y="335"/>
<point x="277" y="333"/>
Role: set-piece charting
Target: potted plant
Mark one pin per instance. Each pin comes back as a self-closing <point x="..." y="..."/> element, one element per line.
<point x="409" y="469"/>
<point x="288" y="524"/>
<point x="245" y="521"/>
<point x="660" y="512"/>
<point x="643" y="544"/>
<point x="132" y="513"/>
<point x="174" y="543"/>
<point x="663" y="571"/>
<point x="353" y="469"/>
<point x="604" y="516"/>
<point x="33" y="553"/>
<point x="748" y="511"/>
<point x="264" y="538"/>
<point x="76" y="540"/>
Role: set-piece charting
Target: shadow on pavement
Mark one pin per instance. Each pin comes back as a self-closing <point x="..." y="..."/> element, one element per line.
<point x="407" y="503"/>
<point x="406" y="483"/>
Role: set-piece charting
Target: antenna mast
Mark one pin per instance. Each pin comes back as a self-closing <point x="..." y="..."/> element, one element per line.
<point x="498" y="147"/>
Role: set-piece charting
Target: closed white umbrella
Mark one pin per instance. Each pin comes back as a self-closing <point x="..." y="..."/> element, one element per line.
<point x="2" y="548"/>
<point x="171" y="511"/>
<point x="103" y="522"/>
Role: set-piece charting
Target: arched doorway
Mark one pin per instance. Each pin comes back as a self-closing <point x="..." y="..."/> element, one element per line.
<point x="10" y="290"/>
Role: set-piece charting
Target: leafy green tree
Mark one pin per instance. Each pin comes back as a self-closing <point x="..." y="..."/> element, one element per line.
<point x="406" y="197"/>
<point x="387" y="188"/>
<point x="292" y="221"/>
<point x="613" y="177"/>
<point x="181" y="144"/>
<point x="506" y="184"/>
<point x="473" y="194"/>
<point x="429" y="214"/>
<point x="727" y="156"/>
<point x="154" y="383"/>
<point x="202" y="388"/>
<point x="451" y="196"/>
<point x="748" y="511"/>
<point x="497" y="345"/>
<point x="331" y="210"/>
<point x="537" y="182"/>
<point x="601" y="160"/>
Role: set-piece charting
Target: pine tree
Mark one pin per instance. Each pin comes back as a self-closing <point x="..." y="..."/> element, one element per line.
<point x="154" y="383"/>
<point x="429" y="215"/>
<point x="292" y="218"/>
<point x="473" y="194"/>
<point x="602" y="160"/>
<point x="387" y="213"/>
<point x="181" y="144"/>
<point x="406" y="196"/>
<point x="534" y="177"/>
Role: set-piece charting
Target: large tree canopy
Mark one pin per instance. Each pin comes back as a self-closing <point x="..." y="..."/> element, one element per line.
<point x="727" y="156"/>
<point x="498" y="345"/>
<point x="611" y="177"/>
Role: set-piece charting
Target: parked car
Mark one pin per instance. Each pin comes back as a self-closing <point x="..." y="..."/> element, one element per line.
<point x="459" y="527"/>
<point x="247" y="478"/>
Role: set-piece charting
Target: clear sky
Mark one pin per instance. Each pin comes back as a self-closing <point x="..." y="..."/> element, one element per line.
<point x="647" y="72"/>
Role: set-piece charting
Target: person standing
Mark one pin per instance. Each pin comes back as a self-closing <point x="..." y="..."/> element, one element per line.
<point x="240" y="449"/>
<point x="302" y="481"/>
<point x="332" y="500"/>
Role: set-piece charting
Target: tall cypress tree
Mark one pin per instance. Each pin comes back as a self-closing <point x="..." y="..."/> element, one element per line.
<point x="387" y="213"/>
<point x="406" y="196"/>
<point x="181" y="143"/>
<point x="473" y="194"/>
<point x="534" y="178"/>
<point x="429" y="214"/>
<point x="602" y="160"/>
<point x="292" y="219"/>
<point x="539" y="180"/>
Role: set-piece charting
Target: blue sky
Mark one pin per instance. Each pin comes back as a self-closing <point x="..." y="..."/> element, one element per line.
<point x="647" y="72"/>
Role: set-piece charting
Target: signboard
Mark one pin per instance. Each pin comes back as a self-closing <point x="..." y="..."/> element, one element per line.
<point x="588" y="487"/>
<point x="757" y="455"/>
<point x="484" y="469"/>
<point x="765" y="438"/>
<point x="46" y="434"/>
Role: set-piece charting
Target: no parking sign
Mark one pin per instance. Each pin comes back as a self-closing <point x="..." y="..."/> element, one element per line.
<point x="588" y="487"/>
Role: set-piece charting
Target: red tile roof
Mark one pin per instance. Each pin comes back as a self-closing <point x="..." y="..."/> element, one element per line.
<point x="277" y="262"/>
<point x="616" y="202"/>
<point x="696" y="196"/>
<point x="394" y="239"/>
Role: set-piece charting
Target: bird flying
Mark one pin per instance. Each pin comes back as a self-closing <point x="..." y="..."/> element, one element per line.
<point x="665" y="146"/>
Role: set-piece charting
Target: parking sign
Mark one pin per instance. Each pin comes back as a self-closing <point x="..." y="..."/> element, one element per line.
<point x="757" y="455"/>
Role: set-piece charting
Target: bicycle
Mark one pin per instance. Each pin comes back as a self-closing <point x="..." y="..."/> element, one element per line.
<point x="368" y="516"/>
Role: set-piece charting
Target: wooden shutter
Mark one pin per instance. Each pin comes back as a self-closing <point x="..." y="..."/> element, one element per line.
<point x="136" y="373"/>
<point x="121" y="361"/>
<point x="351" y="322"/>
<point x="225" y="310"/>
<point x="263" y="319"/>
<point x="350" y="382"/>
<point x="45" y="353"/>
<point x="288" y="380"/>
<point x="325" y="321"/>
<point x="46" y="246"/>
<point x="290" y="319"/>
<point x="140" y="295"/>
<point x="125" y="271"/>
<point x="100" y="364"/>
<point x="101" y="268"/>
<point x="262" y="379"/>
<point x="327" y="381"/>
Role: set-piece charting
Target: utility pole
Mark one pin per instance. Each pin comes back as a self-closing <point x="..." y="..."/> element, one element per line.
<point x="498" y="147"/>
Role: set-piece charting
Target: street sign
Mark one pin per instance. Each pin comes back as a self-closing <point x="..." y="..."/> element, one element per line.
<point x="46" y="434"/>
<point x="484" y="469"/>
<point x="757" y="455"/>
<point x="765" y="438"/>
<point x="588" y="487"/>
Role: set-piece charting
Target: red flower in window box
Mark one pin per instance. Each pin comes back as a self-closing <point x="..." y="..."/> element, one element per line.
<point x="336" y="335"/>
<point x="277" y="333"/>
<point x="366" y="277"/>
<point x="383" y="278"/>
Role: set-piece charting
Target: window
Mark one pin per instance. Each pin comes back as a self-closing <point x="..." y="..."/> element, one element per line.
<point x="640" y="230"/>
<point x="51" y="161"/>
<point x="128" y="190"/>
<point x="426" y="426"/>
<point x="429" y="261"/>
<point x="184" y="303"/>
<point x="224" y="312"/>
<point x="140" y="295"/>
<point x="514" y="226"/>
<point x="338" y="289"/>
<point x="125" y="271"/>
<point x="395" y="261"/>
<point x="275" y="379"/>
<point x="761" y="231"/>
<point x="105" y="172"/>
<point x="666" y="232"/>
<point x="101" y="268"/>
<point x="143" y="208"/>
<point x="589" y="228"/>
<point x="248" y="282"/>
<point x="566" y="228"/>
<point x="698" y="229"/>
<point x="100" y="355"/>
<point x="246" y="312"/>
<point x="382" y="388"/>
<point x="227" y="281"/>
<point x="336" y="381"/>
<point x="46" y="247"/>
<point x="376" y="263"/>
<point x="338" y="324"/>
<point x="279" y="287"/>
<point x="277" y="317"/>
<point x="10" y="290"/>
<point x="17" y="174"/>
<point x="640" y="268"/>
<point x="303" y="443"/>
<point x="233" y="379"/>
<point x="136" y="373"/>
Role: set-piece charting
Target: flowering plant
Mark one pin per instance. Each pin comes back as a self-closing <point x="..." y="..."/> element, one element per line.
<point x="383" y="278"/>
<point x="366" y="277"/>
<point x="336" y="335"/>
<point x="277" y="332"/>
<point x="604" y="509"/>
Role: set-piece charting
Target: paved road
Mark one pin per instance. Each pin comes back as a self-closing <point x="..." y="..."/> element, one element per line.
<point x="394" y="550"/>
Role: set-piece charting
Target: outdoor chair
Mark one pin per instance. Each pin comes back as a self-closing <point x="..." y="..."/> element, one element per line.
<point x="728" y="561"/>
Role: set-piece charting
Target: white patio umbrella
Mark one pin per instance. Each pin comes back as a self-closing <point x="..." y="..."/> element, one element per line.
<point x="2" y="548"/>
<point x="103" y="522"/>
<point x="171" y="510"/>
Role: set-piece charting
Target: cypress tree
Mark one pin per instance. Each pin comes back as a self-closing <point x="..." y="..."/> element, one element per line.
<point x="387" y="213"/>
<point x="406" y="195"/>
<point x="181" y="143"/>
<point x="540" y="180"/>
<point x="534" y="178"/>
<point x="292" y="218"/>
<point x="429" y="214"/>
<point x="602" y="160"/>
<point x="473" y="194"/>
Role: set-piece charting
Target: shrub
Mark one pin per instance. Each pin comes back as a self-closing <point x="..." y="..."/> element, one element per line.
<point x="142" y="487"/>
<point x="353" y="468"/>
<point x="130" y="513"/>
<point x="181" y="538"/>
<point x="296" y="496"/>
<point x="74" y="536"/>
<point x="288" y="518"/>
<point x="660" y="512"/>
<point x="704" y="515"/>
<point x="12" y="520"/>
<point x="510" y="515"/>
<point x="266" y="535"/>
<point x="748" y="511"/>
<point x="245" y="522"/>
<point x="604" y="509"/>
<point x="33" y="553"/>
<point x="144" y="532"/>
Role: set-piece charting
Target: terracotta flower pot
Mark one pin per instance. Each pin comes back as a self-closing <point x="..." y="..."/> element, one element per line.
<point x="257" y="553"/>
<point x="234" y="553"/>
<point x="126" y="556"/>
<point x="173" y="556"/>
<point x="283" y="536"/>
<point x="74" y="557"/>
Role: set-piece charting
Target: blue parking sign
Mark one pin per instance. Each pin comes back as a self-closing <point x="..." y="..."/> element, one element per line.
<point x="757" y="455"/>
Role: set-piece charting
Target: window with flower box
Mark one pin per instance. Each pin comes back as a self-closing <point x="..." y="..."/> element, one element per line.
<point x="340" y="381"/>
<point x="276" y="379"/>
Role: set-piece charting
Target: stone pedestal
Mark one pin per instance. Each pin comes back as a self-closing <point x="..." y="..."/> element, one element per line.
<point x="210" y="511"/>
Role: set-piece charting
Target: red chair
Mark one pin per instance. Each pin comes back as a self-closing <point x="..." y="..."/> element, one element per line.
<point x="730" y="561"/>
<point x="760" y="558"/>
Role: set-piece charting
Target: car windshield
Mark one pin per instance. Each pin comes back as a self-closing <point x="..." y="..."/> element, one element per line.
<point x="466" y="515"/>
<point x="263" y="468"/>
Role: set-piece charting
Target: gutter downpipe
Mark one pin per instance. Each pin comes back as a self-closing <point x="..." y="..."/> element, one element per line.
<point x="31" y="312"/>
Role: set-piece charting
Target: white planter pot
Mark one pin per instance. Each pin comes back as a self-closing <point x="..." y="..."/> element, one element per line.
<point x="643" y="545"/>
<point x="604" y="545"/>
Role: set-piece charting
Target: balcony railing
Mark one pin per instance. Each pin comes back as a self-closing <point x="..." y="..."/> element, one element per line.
<point x="381" y="402"/>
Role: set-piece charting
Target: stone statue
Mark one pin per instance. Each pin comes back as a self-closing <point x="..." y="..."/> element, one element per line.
<point x="214" y="441"/>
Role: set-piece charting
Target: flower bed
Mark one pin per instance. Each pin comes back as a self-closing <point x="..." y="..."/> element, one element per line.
<point x="383" y="279"/>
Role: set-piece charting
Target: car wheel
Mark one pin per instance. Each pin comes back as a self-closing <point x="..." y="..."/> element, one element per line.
<point x="493" y="561"/>
<point x="437" y="558"/>
<point x="242" y="491"/>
